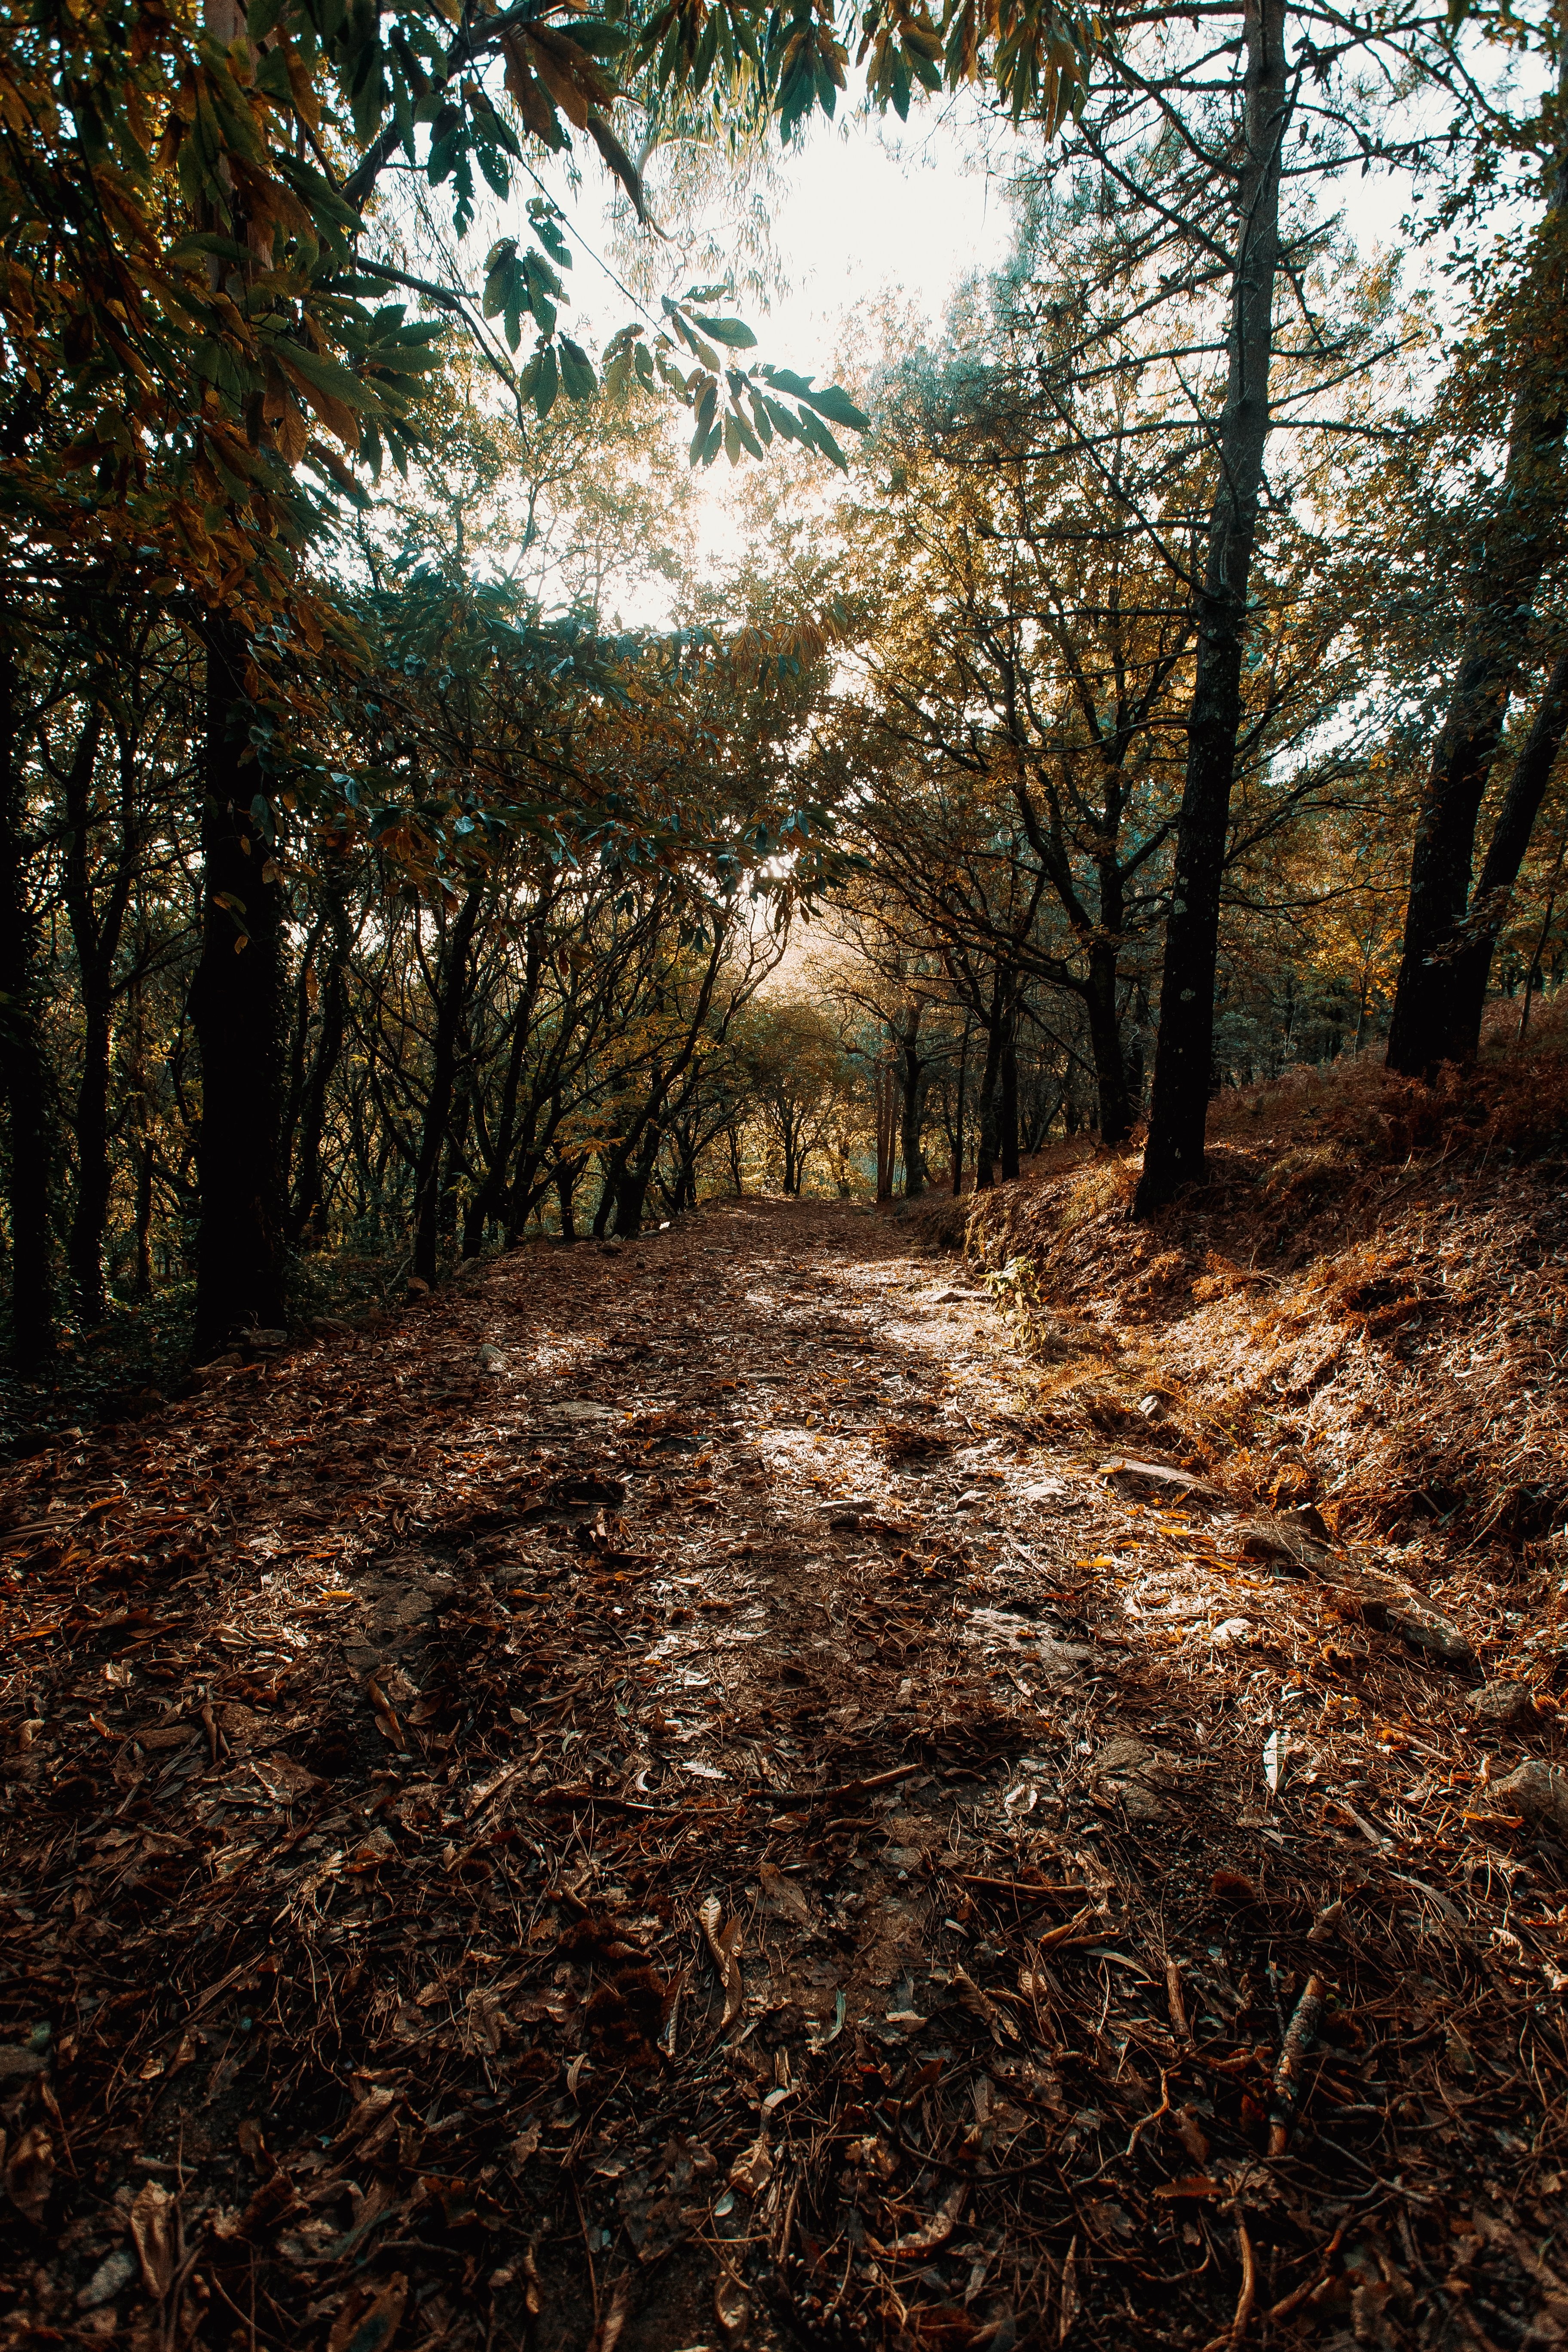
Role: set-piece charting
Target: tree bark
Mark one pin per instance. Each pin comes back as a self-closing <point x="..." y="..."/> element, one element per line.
<point x="435" y="1126"/>
<point x="237" y="1009"/>
<point x="986" y="1121"/>
<point x="912" y="1108"/>
<point x="24" y="1062"/>
<point x="1178" y="1108"/>
<point x="96" y="933"/>
<point x="1436" y="1016"/>
<point x="307" y="1223"/>
<point x="1466" y="991"/>
<point x="1111" y="1075"/>
<point x="1009" y="1105"/>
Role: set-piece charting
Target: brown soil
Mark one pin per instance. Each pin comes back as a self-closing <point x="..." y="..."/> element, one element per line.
<point x="713" y="1822"/>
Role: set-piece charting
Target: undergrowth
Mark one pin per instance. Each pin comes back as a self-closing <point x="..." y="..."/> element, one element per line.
<point x="1365" y="1307"/>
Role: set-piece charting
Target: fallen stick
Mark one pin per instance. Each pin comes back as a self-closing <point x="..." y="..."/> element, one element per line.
<point x="1299" y="2036"/>
<point x="1231" y="2336"/>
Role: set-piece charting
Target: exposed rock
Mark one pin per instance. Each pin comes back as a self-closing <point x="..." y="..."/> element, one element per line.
<point x="1281" y="1545"/>
<point x="1424" y="1629"/>
<point x="1396" y="1610"/>
<point x="1131" y="1773"/>
<point x="1502" y="1707"/>
<point x="1539" y="1791"/>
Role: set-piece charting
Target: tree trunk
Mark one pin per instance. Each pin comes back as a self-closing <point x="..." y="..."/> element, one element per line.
<point x="1436" y="1018"/>
<point x="985" y="1139"/>
<point x="1110" y="1076"/>
<point x="565" y="1187"/>
<point x="24" y="1064"/>
<point x="1456" y="984"/>
<point x="486" y="1204"/>
<point x="238" y="1013"/>
<point x="885" y="1087"/>
<point x="307" y="1223"/>
<point x="433" y="1130"/>
<point x="631" y="1191"/>
<point x="1179" y="1109"/>
<point x="913" y="1092"/>
<point x="141" y="1123"/>
<point x="1008" y="1108"/>
<point x="96" y="938"/>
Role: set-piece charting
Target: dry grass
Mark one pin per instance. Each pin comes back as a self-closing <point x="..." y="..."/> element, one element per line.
<point x="1366" y="1308"/>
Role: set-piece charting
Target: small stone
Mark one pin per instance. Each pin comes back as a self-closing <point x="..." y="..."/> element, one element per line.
<point x="267" y="1340"/>
<point x="1502" y="1707"/>
<point x="1539" y="1791"/>
<point x="116" y="2270"/>
<point x="1424" y="1629"/>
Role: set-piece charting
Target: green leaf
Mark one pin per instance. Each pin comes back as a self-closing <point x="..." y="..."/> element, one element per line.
<point x="546" y="384"/>
<point x="733" y="333"/>
<point x="577" y="370"/>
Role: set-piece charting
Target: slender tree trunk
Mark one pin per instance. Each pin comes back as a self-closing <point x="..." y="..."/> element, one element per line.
<point x="24" y="1062"/>
<point x="958" y="1112"/>
<point x="308" y="1219"/>
<point x="885" y="1086"/>
<point x="96" y="938"/>
<point x="1459" y="989"/>
<point x="986" y="1137"/>
<point x="486" y="1204"/>
<point x="565" y="1188"/>
<point x="914" y="1095"/>
<point x="1435" y="1016"/>
<point x="1178" y="1108"/>
<point x="140" y="1120"/>
<point x="434" y="1129"/>
<point x="1008" y="1107"/>
<point x="238" y="1013"/>
<point x="1105" y="1046"/>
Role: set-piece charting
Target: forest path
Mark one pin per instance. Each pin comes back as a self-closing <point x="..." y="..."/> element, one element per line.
<point x="634" y="1802"/>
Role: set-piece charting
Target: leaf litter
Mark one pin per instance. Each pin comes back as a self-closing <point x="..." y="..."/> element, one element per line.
<point x="784" y="1855"/>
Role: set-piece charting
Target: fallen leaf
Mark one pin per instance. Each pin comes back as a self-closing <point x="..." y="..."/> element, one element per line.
<point x="30" y="2173"/>
<point x="367" y="2317"/>
<point x="156" y="2235"/>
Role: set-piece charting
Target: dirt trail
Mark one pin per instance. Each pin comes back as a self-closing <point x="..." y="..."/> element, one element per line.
<point x="635" y="1802"/>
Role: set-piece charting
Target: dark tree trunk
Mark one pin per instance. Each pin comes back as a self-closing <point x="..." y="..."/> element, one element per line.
<point x="1008" y="1107"/>
<point x="486" y="1204"/>
<point x="912" y="1120"/>
<point x="140" y="1120"/>
<point x="1454" y="991"/>
<point x="95" y="934"/>
<point x="1179" y="1109"/>
<point x="1432" y="1002"/>
<point x="566" y="1178"/>
<point x="237" y="1008"/>
<point x="1110" y="1076"/>
<point x="308" y="1218"/>
<point x="24" y="1064"/>
<point x="436" y="1127"/>
<point x="986" y="1136"/>
<point x="631" y="1190"/>
<point x="958" y="1112"/>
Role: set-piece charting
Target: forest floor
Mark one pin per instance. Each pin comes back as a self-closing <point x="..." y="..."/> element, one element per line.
<point x="657" y="1797"/>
